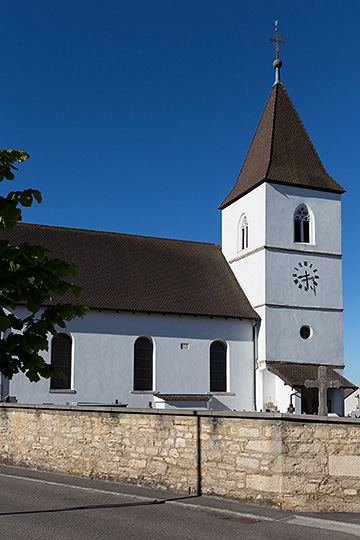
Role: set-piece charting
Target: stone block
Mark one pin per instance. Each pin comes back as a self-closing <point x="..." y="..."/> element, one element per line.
<point x="151" y="451"/>
<point x="265" y="484"/>
<point x="344" y="466"/>
<point x="350" y="492"/>
<point x="265" y="446"/>
<point x="246" y="463"/>
<point x="137" y="463"/>
<point x="213" y="455"/>
<point x="296" y="466"/>
<point x="247" y="433"/>
<point x="180" y="442"/>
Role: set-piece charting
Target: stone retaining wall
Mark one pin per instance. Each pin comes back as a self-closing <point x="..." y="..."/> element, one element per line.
<point x="295" y="462"/>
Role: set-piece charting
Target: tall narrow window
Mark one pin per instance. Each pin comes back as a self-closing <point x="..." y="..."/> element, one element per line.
<point x="61" y="359"/>
<point x="217" y="367"/>
<point x="243" y="233"/>
<point x="143" y="364"/>
<point x="302" y="224"/>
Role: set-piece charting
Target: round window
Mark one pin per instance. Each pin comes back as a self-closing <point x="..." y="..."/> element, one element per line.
<point x="305" y="332"/>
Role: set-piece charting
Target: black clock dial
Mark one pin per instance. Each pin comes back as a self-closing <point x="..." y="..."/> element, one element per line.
<point x="306" y="276"/>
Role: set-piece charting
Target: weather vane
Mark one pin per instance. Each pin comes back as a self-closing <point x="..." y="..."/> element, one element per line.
<point x="276" y="40"/>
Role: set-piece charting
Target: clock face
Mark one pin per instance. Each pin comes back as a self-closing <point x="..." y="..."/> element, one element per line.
<point x="306" y="276"/>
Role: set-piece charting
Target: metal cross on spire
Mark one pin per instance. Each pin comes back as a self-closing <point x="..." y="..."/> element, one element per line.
<point x="277" y="41"/>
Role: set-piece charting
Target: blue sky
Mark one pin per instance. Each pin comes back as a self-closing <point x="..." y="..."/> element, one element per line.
<point x="138" y="113"/>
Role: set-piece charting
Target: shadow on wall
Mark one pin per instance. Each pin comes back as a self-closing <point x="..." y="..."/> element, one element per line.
<point x="217" y="405"/>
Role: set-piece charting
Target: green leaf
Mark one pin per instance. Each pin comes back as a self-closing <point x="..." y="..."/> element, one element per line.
<point x="25" y="199"/>
<point x="4" y="323"/>
<point x="37" y="196"/>
<point x="76" y="290"/>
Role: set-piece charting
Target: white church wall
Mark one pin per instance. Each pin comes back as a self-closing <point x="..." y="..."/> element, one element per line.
<point x="325" y="345"/>
<point x="282" y="395"/>
<point x="259" y="390"/>
<point x="276" y="391"/>
<point x="351" y="402"/>
<point x="337" y="400"/>
<point x="103" y="350"/>
<point x="277" y="204"/>
<point x="250" y="273"/>
<point x="281" y="288"/>
<point x="325" y="210"/>
<point x="269" y="390"/>
<point x="253" y="206"/>
<point x="261" y="349"/>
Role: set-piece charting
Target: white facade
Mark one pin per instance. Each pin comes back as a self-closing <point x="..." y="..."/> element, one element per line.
<point x="273" y="266"/>
<point x="352" y="404"/>
<point x="103" y="361"/>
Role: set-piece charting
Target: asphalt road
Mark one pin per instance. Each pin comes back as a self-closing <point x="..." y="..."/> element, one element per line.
<point x="35" y="505"/>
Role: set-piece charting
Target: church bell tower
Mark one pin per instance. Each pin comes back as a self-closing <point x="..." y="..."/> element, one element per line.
<point x="281" y="234"/>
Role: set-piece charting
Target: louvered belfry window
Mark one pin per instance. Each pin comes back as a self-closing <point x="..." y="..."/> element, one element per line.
<point x="302" y="225"/>
<point x="61" y="360"/>
<point x="217" y="367"/>
<point x="143" y="364"/>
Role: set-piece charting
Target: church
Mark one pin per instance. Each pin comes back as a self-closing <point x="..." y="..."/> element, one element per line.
<point x="180" y="324"/>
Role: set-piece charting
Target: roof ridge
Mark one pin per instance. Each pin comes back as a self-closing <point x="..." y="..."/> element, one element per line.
<point x="252" y="140"/>
<point x="79" y="229"/>
<point x="275" y="87"/>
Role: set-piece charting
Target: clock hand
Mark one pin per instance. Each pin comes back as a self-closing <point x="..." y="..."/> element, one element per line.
<point x="306" y="277"/>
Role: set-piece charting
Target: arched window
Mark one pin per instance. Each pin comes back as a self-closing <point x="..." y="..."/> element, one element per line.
<point x="143" y="364"/>
<point x="243" y="233"/>
<point x="302" y="224"/>
<point x="61" y="347"/>
<point x="217" y="367"/>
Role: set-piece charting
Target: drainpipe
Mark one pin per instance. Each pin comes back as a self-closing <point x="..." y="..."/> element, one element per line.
<point x="255" y="359"/>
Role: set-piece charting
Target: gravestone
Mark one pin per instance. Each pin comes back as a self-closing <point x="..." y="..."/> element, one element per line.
<point x="322" y="383"/>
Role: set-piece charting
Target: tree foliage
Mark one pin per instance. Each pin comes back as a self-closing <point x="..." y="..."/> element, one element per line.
<point x="29" y="277"/>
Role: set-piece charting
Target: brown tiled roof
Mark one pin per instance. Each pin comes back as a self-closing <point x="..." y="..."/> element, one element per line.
<point x="295" y="375"/>
<point x="349" y="391"/>
<point x="281" y="152"/>
<point x="139" y="273"/>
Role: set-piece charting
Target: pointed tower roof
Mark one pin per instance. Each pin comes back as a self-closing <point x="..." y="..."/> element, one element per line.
<point x="281" y="151"/>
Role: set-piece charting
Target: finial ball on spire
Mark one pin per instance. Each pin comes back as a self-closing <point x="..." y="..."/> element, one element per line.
<point x="277" y="63"/>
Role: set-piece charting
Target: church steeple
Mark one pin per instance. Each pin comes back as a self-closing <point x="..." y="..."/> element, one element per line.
<point x="281" y="235"/>
<point x="281" y="151"/>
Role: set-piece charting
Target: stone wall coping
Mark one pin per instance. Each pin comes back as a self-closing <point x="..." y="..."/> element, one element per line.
<point x="287" y="417"/>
